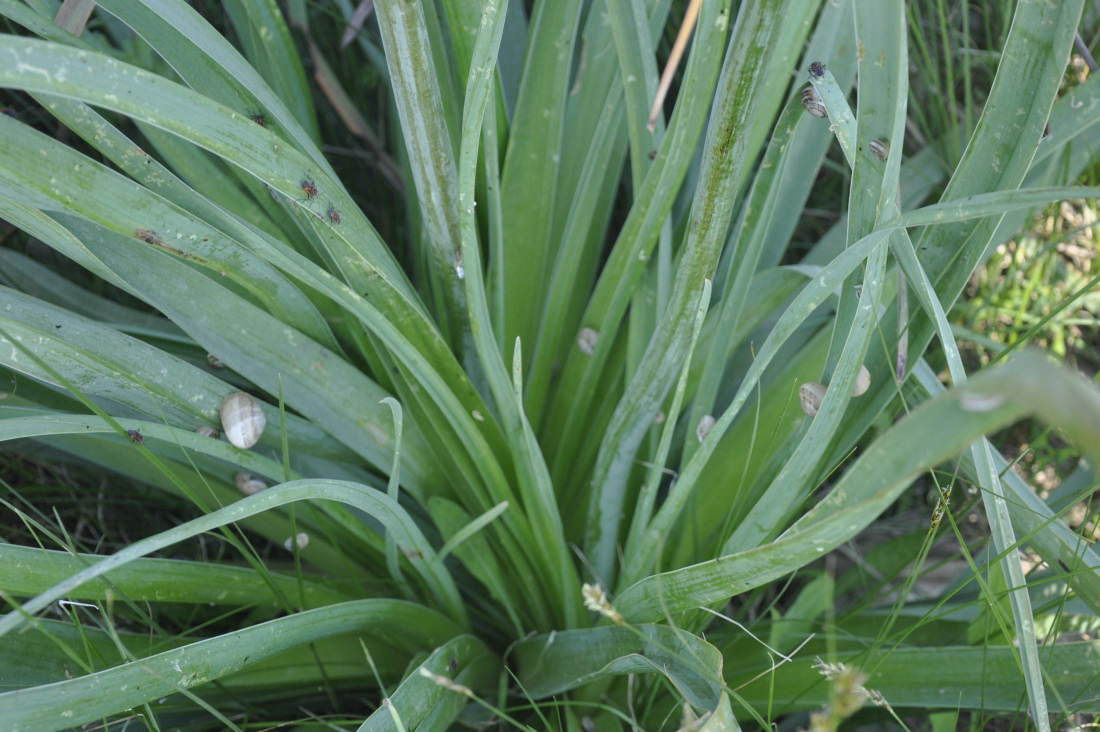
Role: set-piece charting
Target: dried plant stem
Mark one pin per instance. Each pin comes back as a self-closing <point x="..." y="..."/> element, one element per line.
<point x="688" y="26"/>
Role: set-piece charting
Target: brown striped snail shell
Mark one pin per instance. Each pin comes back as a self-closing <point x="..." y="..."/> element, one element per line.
<point x="810" y="396"/>
<point x="242" y="420"/>
<point x="586" y="340"/>
<point x="880" y="149"/>
<point x="811" y="100"/>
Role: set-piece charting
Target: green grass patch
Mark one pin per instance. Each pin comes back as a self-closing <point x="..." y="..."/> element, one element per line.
<point x="569" y="421"/>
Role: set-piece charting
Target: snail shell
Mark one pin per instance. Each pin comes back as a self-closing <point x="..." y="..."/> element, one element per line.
<point x="810" y="396"/>
<point x="242" y="420"/>
<point x="880" y="149"/>
<point x="706" y="424"/>
<point x="248" y="485"/>
<point x="811" y="100"/>
<point x="977" y="403"/>
<point x="863" y="382"/>
<point x="207" y="431"/>
<point x="587" y="339"/>
<point x="300" y="540"/>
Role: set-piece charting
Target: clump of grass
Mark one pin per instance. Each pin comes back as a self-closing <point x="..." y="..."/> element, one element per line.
<point x="534" y="448"/>
<point x="1042" y="289"/>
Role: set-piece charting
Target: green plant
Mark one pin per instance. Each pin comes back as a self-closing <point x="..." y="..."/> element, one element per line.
<point x="469" y="430"/>
<point x="1039" y="290"/>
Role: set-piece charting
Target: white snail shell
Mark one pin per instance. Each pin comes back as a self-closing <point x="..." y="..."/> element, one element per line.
<point x="207" y="431"/>
<point x="863" y="382"/>
<point x="978" y="403"/>
<point x="242" y="420"/>
<point x="248" y="485"/>
<point x="810" y="396"/>
<point x="811" y="100"/>
<point x="301" y="540"/>
<point x="706" y="424"/>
